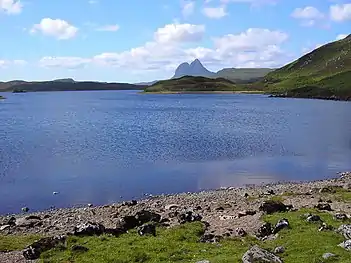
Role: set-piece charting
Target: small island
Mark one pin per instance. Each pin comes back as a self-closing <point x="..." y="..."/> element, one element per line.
<point x="2" y="98"/>
<point x="196" y="84"/>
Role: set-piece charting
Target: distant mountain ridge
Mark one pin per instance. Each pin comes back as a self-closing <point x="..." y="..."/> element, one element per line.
<point x="195" y="69"/>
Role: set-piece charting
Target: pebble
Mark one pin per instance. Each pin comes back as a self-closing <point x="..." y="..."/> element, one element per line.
<point x="328" y="255"/>
<point x="279" y="250"/>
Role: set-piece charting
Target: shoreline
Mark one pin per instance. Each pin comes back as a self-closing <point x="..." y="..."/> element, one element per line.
<point x="204" y="92"/>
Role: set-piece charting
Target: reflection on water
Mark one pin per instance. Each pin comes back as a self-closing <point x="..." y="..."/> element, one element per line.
<point x="102" y="147"/>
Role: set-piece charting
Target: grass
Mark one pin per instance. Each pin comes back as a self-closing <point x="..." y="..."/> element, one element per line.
<point x="16" y="242"/>
<point x="303" y="243"/>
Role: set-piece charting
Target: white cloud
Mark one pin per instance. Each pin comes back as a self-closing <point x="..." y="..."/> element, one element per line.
<point x="64" y="62"/>
<point x="253" y="48"/>
<point x="215" y="12"/>
<point x="11" y="6"/>
<point x="7" y="63"/>
<point x="309" y="15"/>
<point x="341" y="36"/>
<point x="179" y="33"/>
<point x="340" y="13"/>
<point x="111" y="28"/>
<point x="188" y="8"/>
<point x="57" y="28"/>
<point x="252" y="2"/>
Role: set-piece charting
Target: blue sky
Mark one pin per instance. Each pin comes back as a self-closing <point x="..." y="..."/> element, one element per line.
<point x="139" y="40"/>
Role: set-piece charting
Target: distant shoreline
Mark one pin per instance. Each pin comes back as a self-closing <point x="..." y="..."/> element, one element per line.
<point x="205" y="92"/>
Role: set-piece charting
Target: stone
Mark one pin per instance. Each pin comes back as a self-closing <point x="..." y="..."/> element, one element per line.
<point x="270" y="192"/>
<point x="327" y="190"/>
<point x="313" y="218"/>
<point x="145" y="216"/>
<point x="282" y="223"/>
<point x="345" y="230"/>
<point x="257" y="254"/>
<point x="128" y="222"/>
<point x="328" y="255"/>
<point x="204" y="261"/>
<point x="11" y="221"/>
<point x="28" y="222"/>
<point x="271" y="206"/>
<point x="324" y="207"/>
<point x="340" y="216"/>
<point x="4" y="227"/>
<point x="79" y="248"/>
<point x="25" y="209"/>
<point x="189" y="217"/>
<point x="147" y="229"/>
<point x="279" y="250"/>
<point x="246" y="213"/>
<point x="33" y="251"/>
<point x="210" y="238"/>
<point x="32" y="217"/>
<point x="89" y="229"/>
<point x="346" y="245"/>
<point x="265" y="230"/>
<point x="241" y="232"/>
<point x="246" y="195"/>
<point x="171" y="206"/>
<point x="325" y="227"/>
<point x="130" y="203"/>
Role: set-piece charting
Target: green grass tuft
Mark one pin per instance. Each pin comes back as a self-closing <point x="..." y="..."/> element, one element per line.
<point x="16" y="242"/>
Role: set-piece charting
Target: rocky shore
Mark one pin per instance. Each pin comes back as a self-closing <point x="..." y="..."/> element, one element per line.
<point x="226" y="213"/>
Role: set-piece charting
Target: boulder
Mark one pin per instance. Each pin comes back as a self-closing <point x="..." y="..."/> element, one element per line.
<point x="128" y="222"/>
<point x="282" y="223"/>
<point x="313" y="218"/>
<point x="33" y="251"/>
<point x="346" y="245"/>
<point x="325" y="227"/>
<point x="147" y="229"/>
<point x="130" y="203"/>
<point x="171" y="206"/>
<point x="246" y="213"/>
<point x="323" y="207"/>
<point x="279" y="250"/>
<point x="340" y="216"/>
<point x="241" y="232"/>
<point x="327" y="190"/>
<point x="210" y="238"/>
<point x="257" y="254"/>
<point x="328" y="255"/>
<point x="271" y="206"/>
<point x="30" y="221"/>
<point x="204" y="261"/>
<point x="189" y="217"/>
<point x="145" y="216"/>
<point x="345" y="230"/>
<point x="264" y="230"/>
<point x="89" y="229"/>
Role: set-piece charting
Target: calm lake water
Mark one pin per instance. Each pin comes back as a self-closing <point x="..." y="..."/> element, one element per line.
<point x="102" y="147"/>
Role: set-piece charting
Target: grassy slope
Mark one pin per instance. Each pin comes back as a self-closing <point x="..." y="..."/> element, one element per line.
<point x="303" y="243"/>
<point x="323" y="72"/>
<point x="11" y="243"/>
<point x="189" y="83"/>
<point x="242" y="75"/>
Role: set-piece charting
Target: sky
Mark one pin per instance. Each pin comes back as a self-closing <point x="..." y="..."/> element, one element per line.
<point x="144" y="40"/>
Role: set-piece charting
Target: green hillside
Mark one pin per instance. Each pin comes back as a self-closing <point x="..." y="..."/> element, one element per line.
<point x="192" y="84"/>
<point x="243" y="75"/>
<point x="322" y="73"/>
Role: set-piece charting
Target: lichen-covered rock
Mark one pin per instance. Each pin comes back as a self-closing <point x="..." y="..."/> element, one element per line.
<point x="33" y="251"/>
<point x="89" y="229"/>
<point x="257" y="254"/>
<point x="346" y="245"/>
<point x="282" y="223"/>
<point x="345" y="230"/>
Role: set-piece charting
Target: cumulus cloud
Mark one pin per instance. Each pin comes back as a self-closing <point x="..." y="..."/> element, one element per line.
<point x="253" y="2"/>
<point x="180" y="33"/>
<point x="309" y="15"/>
<point x="111" y="28"/>
<point x="215" y="12"/>
<point x="56" y="28"/>
<point x="255" y="47"/>
<point x="11" y="6"/>
<point x="340" y="13"/>
<point x="188" y="8"/>
<point x="16" y="62"/>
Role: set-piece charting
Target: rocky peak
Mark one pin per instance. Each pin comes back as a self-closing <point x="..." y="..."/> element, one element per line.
<point x="195" y="68"/>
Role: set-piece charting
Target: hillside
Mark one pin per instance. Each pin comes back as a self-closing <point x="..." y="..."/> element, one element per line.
<point x="65" y="85"/>
<point x="192" y="84"/>
<point x="243" y="75"/>
<point x="323" y="73"/>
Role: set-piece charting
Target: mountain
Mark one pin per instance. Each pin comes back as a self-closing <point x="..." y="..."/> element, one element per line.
<point x="65" y="85"/>
<point x="192" y="84"/>
<point x="195" y="68"/>
<point x="323" y="73"/>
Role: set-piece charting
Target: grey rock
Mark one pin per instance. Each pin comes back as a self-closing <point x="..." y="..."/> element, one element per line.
<point x="89" y="229"/>
<point x="346" y="245"/>
<point x="147" y="229"/>
<point x="241" y="232"/>
<point x="279" y="250"/>
<point x="340" y="216"/>
<point x="28" y="222"/>
<point x="204" y="261"/>
<point x="264" y="230"/>
<point x="210" y="238"/>
<point x="25" y="209"/>
<point x="257" y="254"/>
<point x="33" y="251"/>
<point x="282" y="223"/>
<point x="189" y="217"/>
<point x="325" y="227"/>
<point x="130" y="203"/>
<point x="313" y="218"/>
<point x="145" y="216"/>
<point x="4" y="227"/>
<point x="271" y="206"/>
<point x="324" y="207"/>
<point x="345" y="230"/>
<point x="327" y="190"/>
<point x="171" y="206"/>
<point x="328" y="255"/>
